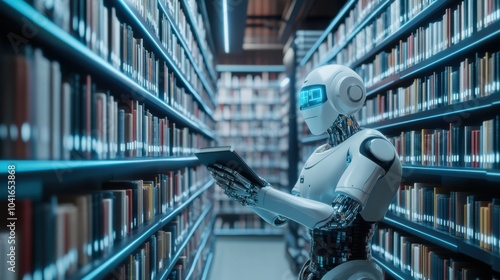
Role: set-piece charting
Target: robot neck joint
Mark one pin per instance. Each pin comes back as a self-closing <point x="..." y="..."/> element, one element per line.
<point x="342" y="128"/>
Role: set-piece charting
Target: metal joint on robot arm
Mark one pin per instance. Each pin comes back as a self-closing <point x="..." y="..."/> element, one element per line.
<point x="345" y="210"/>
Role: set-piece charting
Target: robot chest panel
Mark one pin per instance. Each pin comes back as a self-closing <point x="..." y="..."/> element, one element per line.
<point x="321" y="173"/>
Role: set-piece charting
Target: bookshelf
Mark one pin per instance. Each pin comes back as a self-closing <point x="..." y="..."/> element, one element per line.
<point x="400" y="50"/>
<point x="252" y="118"/>
<point x="102" y="91"/>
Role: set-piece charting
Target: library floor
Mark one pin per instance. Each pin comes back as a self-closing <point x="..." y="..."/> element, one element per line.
<point x="250" y="258"/>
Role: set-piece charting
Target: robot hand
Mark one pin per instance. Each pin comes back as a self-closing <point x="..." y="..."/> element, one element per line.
<point x="235" y="185"/>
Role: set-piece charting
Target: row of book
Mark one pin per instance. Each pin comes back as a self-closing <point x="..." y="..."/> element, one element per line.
<point x="420" y="45"/>
<point x="157" y="254"/>
<point x="199" y="25"/>
<point x="241" y="222"/>
<point x="466" y="214"/>
<point x="259" y="80"/>
<point x="51" y="113"/>
<point x="56" y="236"/>
<point x="187" y="267"/>
<point x="163" y="16"/>
<point x="248" y="111"/>
<point x="188" y="31"/>
<point x="201" y="264"/>
<point x="98" y="26"/>
<point x="193" y="51"/>
<point x="487" y="12"/>
<point x="396" y="14"/>
<point x="419" y="260"/>
<point x="475" y="146"/>
<point x="455" y="24"/>
<point x="244" y="95"/>
<point x="472" y="78"/>
<point x="251" y="120"/>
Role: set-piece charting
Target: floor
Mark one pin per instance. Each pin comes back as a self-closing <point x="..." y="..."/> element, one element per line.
<point x="250" y="258"/>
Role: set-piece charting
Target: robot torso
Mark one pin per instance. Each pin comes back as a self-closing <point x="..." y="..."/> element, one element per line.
<point x="319" y="180"/>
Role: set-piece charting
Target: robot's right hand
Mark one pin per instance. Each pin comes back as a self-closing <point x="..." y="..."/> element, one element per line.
<point x="234" y="184"/>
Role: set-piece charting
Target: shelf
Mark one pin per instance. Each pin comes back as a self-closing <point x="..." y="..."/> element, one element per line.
<point x="258" y="135"/>
<point x="194" y="29"/>
<point x="416" y="172"/>
<point x="389" y="268"/>
<point x="163" y="274"/>
<point x="206" y="237"/>
<point x="380" y="8"/>
<point x="98" y="269"/>
<point x="250" y="119"/>
<point x="208" y="266"/>
<point x="310" y="139"/>
<point x="249" y="102"/>
<point x="249" y="68"/>
<point x="36" y="177"/>
<point x="268" y="86"/>
<point x="340" y="15"/>
<point x="427" y="233"/>
<point x="181" y="39"/>
<point x="70" y="47"/>
<point x="409" y="26"/>
<point x="445" y="240"/>
<point x="134" y="18"/>
<point x="470" y="44"/>
<point x="248" y="232"/>
<point x="448" y="114"/>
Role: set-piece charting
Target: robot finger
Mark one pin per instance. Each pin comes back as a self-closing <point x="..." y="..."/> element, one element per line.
<point x="244" y="181"/>
<point x="221" y="180"/>
<point x="239" y="188"/>
<point x="226" y="169"/>
<point x="221" y="173"/>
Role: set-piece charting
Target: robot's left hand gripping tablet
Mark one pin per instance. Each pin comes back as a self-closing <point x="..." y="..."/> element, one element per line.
<point x="235" y="185"/>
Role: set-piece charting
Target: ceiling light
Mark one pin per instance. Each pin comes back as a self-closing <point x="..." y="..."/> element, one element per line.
<point x="226" y="27"/>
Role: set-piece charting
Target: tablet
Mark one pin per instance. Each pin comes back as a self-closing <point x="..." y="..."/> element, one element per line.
<point x="226" y="156"/>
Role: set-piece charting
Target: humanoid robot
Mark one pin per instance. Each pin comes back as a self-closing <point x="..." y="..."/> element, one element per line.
<point x="344" y="188"/>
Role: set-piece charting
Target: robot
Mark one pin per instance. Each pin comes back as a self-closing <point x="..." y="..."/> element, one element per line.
<point x="344" y="188"/>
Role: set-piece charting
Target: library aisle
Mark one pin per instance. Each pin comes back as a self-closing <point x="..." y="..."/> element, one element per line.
<point x="250" y="258"/>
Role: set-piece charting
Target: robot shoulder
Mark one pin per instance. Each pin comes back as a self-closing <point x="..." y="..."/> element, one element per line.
<point x="377" y="148"/>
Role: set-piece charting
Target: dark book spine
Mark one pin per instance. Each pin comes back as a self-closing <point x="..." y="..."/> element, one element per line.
<point x="75" y="117"/>
<point x="152" y="257"/>
<point x="496" y="134"/>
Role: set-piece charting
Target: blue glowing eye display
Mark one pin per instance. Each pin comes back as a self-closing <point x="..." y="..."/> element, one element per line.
<point x="312" y="96"/>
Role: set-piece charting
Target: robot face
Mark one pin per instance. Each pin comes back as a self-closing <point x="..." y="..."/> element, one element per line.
<point x="328" y="91"/>
<point x="315" y="109"/>
<point x="312" y="96"/>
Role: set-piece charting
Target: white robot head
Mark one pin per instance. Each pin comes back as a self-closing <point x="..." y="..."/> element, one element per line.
<point x="328" y="91"/>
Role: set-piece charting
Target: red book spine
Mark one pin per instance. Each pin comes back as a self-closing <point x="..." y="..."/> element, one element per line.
<point x="26" y="238"/>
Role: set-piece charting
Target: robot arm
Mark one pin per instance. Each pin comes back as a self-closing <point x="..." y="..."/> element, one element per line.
<point x="267" y="201"/>
<point x="373" y="158"/>
<point x="273" y="205"/>
<point x="270" y="217"/>
<point x="370" y="162"/>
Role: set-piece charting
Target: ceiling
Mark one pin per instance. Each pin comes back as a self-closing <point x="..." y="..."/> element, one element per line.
<point x="259" y="29"/>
